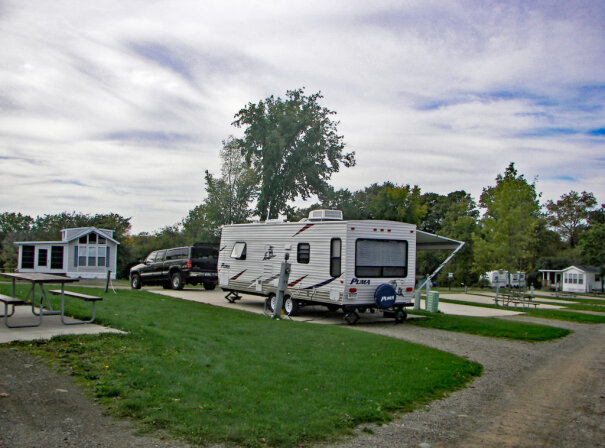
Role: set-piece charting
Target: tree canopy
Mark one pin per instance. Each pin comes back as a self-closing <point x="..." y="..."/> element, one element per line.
<point x="293" y="145"/>
<point x="508" y="229"/>
<point x="569" y="214"/>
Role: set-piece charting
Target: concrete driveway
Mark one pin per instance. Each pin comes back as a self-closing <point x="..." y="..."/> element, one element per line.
<point x="316" y="314"/>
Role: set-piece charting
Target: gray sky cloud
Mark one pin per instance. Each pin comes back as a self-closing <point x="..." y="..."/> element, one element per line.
<point x="121" y="105"/>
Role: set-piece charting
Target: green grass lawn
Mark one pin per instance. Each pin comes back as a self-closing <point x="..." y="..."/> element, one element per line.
<point x="491" y="327"/>
<point x="212" y="375"/>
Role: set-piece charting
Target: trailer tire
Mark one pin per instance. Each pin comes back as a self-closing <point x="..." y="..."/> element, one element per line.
<point x="291" y="306"/>
<point x="400" y="316"/>
<point x="332" y="307"/>
<point x="270" y="303"/>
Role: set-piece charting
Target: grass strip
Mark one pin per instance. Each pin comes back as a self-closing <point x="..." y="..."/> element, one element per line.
<point x="213" y="375"/>
<point x="489" y="326"/>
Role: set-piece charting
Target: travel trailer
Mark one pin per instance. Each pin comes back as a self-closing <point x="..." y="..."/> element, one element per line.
<point x="349" y="265"/>
<point x="502" y="279"/>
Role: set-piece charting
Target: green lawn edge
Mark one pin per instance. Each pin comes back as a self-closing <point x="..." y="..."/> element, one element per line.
<point x="213" y="375"/>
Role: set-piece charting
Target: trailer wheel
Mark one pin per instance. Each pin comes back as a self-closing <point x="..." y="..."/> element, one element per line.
<point x="270" y="302"/>
<point x="291" y="306"/>
<point x="332" y="307"/>
<point x="400" y="316"/>
<point x="351" y="317"/>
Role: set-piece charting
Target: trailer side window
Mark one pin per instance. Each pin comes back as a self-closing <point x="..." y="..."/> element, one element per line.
<point x="303" y="253"/>
<point x="381" y="258"/>
<point x="335" y="255"/>
<point x="239" y="251"/>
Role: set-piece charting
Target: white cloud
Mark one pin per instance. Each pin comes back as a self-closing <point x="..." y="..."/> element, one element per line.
<point x="121" y="106"/>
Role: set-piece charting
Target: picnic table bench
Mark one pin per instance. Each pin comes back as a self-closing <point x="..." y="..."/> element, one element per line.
<point x="13" y="302"/>
<point x="87" y="298"/>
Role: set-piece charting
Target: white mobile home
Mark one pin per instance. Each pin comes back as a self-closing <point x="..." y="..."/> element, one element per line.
<point x="83" y="252"/>
<point x="340" y="264"/>
<point x="581" y="279"/>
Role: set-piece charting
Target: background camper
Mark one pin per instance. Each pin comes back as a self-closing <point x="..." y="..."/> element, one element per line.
<point x="352" y="265"/>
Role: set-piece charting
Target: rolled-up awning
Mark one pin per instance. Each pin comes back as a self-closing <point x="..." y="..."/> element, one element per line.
<point x="430" y="241"/>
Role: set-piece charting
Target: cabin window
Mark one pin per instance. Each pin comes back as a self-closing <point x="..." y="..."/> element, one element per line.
<point x="335" y="257"/>
<point x="101" y="260"/>
<point x="83" y="240"/>
<point x="303" y="253"/>
<point x="92" y="238"/>
<point x="381" y="258"/>
<point x="27" y="257"/>
<point x="102" y="240"/>
<point x="43" y="257"/>
<point x="92" y="256"/>
<point x="239" y="251"/>
<point x="56" y="257"/>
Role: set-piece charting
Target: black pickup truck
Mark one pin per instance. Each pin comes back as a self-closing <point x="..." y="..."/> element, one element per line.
<point x="173" y="268"/>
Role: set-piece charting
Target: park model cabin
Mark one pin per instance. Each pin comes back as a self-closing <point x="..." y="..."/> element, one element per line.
<point x="333" y="262"/>
<point x="83" y="252"/>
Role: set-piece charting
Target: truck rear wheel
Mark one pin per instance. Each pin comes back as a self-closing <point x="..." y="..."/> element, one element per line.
<point x="135" y="281"/>
<point x="209" y="286"/>
<point x="176" y="281"/>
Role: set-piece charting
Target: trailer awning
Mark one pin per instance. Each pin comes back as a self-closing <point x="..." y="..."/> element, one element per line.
<point x="430" y="241"/>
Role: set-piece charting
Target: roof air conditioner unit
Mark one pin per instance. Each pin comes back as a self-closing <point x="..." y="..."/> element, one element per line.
<point x="325" y="215"/>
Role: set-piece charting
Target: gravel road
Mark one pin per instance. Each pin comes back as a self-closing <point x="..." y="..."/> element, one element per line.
<point x="549" y="394"/>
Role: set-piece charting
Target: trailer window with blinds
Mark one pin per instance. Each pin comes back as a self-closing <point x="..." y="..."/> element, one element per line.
<point x="381" y="258"/>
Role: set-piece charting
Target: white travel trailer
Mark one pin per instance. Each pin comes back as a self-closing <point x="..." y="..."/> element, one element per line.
<point x="502" y="279"/>
<point x="353" y="265"/>
<point x="517" y="280"/>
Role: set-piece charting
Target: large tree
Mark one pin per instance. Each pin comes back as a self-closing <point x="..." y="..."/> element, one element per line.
<point x="569" y="214"/>
<point x="508" y="230"/>
<point x="293" y="145"/>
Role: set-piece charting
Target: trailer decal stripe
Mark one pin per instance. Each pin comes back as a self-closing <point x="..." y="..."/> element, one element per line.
<point x="307" y="226"/>
<point x="324" y="283"/>
<point x="235" y="277"/>
<point x="295" y="282"/>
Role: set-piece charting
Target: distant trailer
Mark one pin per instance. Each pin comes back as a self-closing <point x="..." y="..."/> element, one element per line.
<point x="349" y="265"/>
<point x="502" y="279"/>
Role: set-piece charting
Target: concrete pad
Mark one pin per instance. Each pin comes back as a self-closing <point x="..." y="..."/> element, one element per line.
<point x="319" y="314"/>
<point x="256" y="304"/>
<point x="475" y="311"/>
<point x="473" y="298"/>
<point x="51" y="326"/>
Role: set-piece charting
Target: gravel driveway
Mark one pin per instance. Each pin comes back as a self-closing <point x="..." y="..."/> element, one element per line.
<point x="549" y="394"/>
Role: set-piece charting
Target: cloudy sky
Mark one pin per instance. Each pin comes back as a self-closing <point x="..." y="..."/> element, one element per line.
<point x="120" y="106"/>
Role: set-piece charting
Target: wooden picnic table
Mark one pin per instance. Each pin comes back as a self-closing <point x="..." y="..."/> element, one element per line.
<point x="36" y="279"/>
